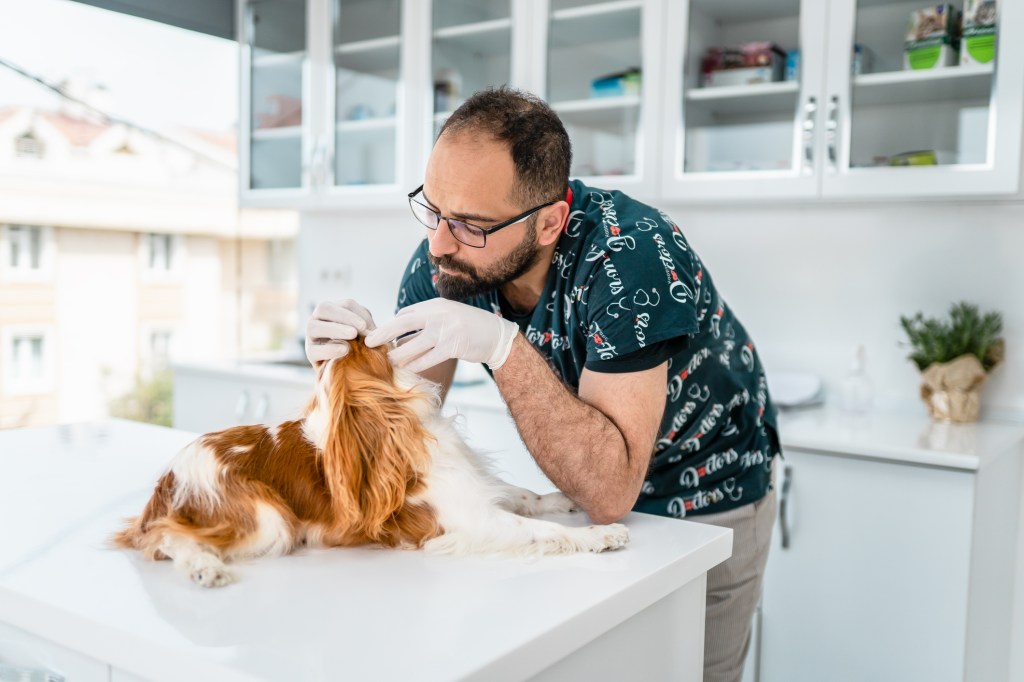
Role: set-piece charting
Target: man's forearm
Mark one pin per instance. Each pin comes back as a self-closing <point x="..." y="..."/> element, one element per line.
<point x="575" y="444"/>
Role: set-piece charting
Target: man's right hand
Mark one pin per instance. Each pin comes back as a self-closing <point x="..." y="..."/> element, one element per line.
<point x="331" y="325"/>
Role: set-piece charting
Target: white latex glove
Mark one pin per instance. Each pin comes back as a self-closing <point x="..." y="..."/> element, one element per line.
<point x="331" y="325"/>
<point x="447" y="329"/>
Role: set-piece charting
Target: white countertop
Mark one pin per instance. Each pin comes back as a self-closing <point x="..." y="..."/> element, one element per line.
<point x="316" y="615"/>
<point x="899" y="436"/>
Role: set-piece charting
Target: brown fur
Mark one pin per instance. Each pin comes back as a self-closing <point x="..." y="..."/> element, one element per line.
<point x="356" y="491"/>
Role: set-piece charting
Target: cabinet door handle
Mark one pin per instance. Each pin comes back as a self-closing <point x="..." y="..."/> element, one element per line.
<point x="262" y="407"/>
<point x="10" y="673"/>
<point x="787" y="481"/>
<point x="810" y="109"/>
<point x="242" y="406"/>
<point x="832" y="130"/>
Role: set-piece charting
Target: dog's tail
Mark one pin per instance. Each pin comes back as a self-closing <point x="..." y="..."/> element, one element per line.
<point x="159" y="506"/>
<point x="376" y="452"/>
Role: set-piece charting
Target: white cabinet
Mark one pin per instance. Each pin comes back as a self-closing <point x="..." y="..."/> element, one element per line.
<point x="341" y="100"/>
<point x="887" y="570"/>
<point x="340" y="110"/>
<point x="829" y="132"/>
<point x="327" y="107"/>
<point x="212" y="398"/>
<point x="601" y="73"/>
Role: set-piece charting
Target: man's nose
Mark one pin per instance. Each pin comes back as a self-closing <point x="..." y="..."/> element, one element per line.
<point x="442" y="241"/>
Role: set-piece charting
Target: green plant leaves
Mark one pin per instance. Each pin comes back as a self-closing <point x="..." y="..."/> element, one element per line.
<point x="966" y="331"/>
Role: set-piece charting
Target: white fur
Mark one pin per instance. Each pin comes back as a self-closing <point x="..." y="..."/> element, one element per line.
<point x="197" y="474"/>
<point x="473" y="506"/>
<point x="273" y="536"/>
<point x="479" y="512"/>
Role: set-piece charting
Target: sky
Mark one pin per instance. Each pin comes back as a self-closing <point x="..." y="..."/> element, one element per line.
<point x="158" y="76"/>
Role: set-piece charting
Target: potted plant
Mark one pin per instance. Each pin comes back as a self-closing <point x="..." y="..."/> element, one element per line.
<point x="954" y="357"/>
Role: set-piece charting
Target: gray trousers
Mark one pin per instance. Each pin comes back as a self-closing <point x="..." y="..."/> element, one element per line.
<point x="734" y="587"/>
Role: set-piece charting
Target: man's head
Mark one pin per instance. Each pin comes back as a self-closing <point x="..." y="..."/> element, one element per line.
<point x="500" y="154"/>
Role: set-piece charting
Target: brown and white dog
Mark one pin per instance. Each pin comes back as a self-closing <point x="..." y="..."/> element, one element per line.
<point x="372" y="461"/>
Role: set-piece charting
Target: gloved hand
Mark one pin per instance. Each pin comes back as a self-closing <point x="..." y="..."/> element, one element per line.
<point x="447" y="329"/>
<point x="330" y="325"/>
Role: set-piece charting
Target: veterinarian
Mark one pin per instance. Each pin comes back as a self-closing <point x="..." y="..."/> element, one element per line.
<point x="631" y="381"/>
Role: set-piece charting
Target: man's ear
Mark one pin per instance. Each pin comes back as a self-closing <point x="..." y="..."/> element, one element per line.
<point x="550" y="222"/>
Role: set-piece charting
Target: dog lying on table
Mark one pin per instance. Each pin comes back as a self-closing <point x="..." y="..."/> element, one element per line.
<point x="372" y="461"/>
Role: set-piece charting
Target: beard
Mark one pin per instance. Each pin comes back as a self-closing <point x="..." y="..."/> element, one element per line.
<point x="470" y="281"/>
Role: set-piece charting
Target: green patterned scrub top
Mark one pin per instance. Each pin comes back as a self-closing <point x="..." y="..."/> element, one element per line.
<point x="625" y="292"/>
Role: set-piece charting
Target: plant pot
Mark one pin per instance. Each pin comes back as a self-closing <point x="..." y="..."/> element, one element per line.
<point x="952" y="390"/>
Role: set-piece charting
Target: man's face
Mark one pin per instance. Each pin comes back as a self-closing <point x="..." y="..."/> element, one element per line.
<point x="470" y="179"/>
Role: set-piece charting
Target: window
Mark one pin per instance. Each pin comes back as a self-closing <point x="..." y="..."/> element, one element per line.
<point x="27" y="359"/>
<point x="280" y="261"/>
<point x="26" y="247"/>
<point x="160" y="349"/>
<point x="161" y="247"/>
<point x="29" y="146"/>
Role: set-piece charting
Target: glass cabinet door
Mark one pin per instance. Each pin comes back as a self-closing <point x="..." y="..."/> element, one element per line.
<point x="367" y="77"/>
<point x="277" y="57"/>
<point x="914" y="105"/>
<point x="750" y="74"/>
<point x="594" y="81"/>
<point x="471" y="50"/>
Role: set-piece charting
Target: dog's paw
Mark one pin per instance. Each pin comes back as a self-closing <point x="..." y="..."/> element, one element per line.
<point x="209" y="571"/>
<point x="610" y="537"/>
<point x="212" y="576"/>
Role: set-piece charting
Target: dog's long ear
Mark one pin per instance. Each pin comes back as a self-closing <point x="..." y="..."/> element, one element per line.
<point x="375" y="452"/>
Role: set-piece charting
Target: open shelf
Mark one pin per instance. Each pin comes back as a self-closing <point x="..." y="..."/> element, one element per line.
<point x="931" y="85"/>
<point x="484" y="39"/>
<point x="599" y="112"/>
<point x="366" y="125"/>
<point x="592" y="24"/>
<point x="264" y="59"/>
<point x="369" y="56"/>
<point x="746" y="99"/>
<point x="279" y="133"/>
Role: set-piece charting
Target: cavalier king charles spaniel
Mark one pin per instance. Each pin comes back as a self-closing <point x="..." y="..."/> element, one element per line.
<point x="372" y="461"/>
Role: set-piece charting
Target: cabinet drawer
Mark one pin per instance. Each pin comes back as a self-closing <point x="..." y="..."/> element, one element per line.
<point x="24" y="650"/>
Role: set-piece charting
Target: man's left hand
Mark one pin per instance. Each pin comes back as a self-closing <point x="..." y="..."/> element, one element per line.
<point x="446" y="330"/>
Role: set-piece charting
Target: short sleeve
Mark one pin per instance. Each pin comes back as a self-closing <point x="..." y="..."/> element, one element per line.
<point x="643" y="286"/>
<point x="418" y="281"/>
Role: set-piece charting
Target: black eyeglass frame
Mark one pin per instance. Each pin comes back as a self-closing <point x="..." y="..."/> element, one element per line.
<point x="484" y="230"/>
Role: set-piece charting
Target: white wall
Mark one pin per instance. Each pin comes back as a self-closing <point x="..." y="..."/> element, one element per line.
<point x="808" y="282"/>
<point x="359" y="255"/>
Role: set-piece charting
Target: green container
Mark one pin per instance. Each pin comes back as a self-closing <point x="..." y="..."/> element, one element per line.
<point x="931" y="38"/>
<point x="979" y="33"/>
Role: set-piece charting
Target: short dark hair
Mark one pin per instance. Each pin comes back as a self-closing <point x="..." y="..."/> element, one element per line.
<point x="540" y="147"/>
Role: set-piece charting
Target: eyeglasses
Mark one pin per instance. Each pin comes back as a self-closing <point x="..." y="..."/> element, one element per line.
<point x="466" y="233"/>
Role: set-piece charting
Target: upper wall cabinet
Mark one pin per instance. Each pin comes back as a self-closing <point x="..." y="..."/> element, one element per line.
<point x="470" y="50"/>
<point x="601" y="73"/>
<point x="326" y="105"/>
<point x="275" y="79"/>
<point x="669" y="100"/>
<point x="834" y="106"/>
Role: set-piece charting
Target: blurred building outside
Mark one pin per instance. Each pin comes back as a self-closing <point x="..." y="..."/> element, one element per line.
<point x="122" y="251"/>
